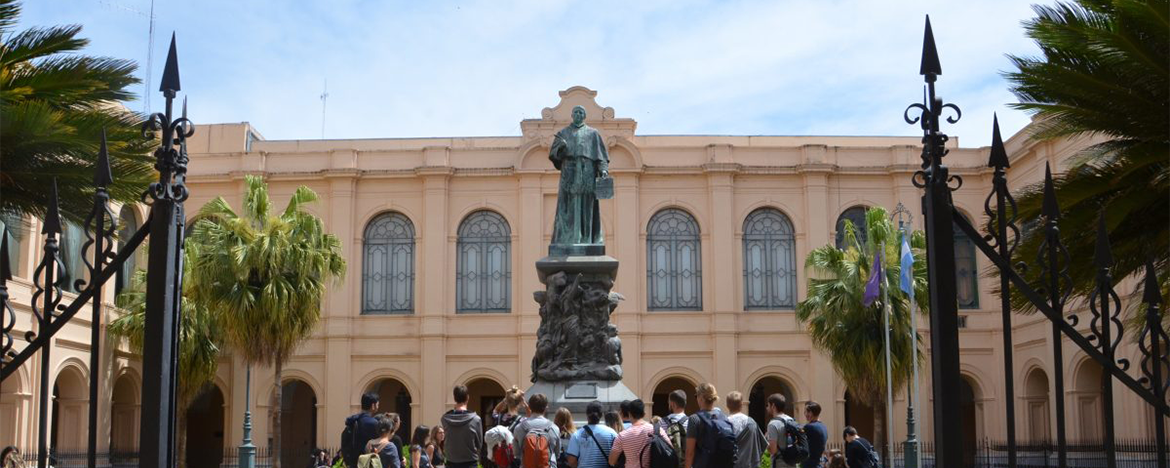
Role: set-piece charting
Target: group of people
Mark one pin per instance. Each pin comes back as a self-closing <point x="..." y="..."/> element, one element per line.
<point x="520" y="435"/>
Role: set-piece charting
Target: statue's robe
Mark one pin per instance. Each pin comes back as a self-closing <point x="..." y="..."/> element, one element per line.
<point x="580" y="154"/>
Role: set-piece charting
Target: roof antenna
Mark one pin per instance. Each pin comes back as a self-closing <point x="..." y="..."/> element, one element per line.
<point x="324" y="98"/>
<point x="149" y="61"/>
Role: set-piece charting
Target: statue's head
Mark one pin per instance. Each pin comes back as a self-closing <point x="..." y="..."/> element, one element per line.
<point x="578" y="115"/>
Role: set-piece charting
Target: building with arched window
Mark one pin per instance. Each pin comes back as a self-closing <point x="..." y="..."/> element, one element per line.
<point x="441" y="237"/>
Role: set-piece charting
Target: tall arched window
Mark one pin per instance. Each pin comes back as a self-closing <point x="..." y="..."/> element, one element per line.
<point x="127" y="226"/>
<point x="855" y="215"/>
<point x="966" y="276"/>
<point x="13" y="228"/>
<point x="483" y="280"/>
<point x="769" y="261"/>
<point x="71" y="240"/>
<point x="673" y="270"/>
<point x="388" y="265"/>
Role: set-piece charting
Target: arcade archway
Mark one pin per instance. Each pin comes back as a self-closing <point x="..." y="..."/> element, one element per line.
<point x="205" y="425"/>
<point x="758" y="398"/>
<point x="124" y="415"/>
<point x="670" y="384"/>
<point x="1036" y="399"/>
<point x="298" y="422"/>
<point x="70" y="410"/>
<point x="393" y="397"/>
<point x="483" y="395"/>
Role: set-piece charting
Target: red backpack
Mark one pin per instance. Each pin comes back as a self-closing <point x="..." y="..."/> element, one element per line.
<point x="537" y="450"/>
<point x="502" y="455"/>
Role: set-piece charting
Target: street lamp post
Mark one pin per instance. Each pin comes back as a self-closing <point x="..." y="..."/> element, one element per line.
<point x="910" y="447"/>
<point x="247" y="452"/>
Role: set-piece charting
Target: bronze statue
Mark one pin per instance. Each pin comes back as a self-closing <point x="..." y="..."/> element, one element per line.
<point x="580" y="154"/>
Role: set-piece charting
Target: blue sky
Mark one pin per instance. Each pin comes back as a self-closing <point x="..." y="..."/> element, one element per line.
<point x="466" y="68"/>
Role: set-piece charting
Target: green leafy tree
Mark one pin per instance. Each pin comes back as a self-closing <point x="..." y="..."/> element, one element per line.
<point x="264" y="274"/>
<point x="1103" y="72"/>
<point x="199" y="344"/>
<point x="54" y="104"/>
<point x="851" y="333"/>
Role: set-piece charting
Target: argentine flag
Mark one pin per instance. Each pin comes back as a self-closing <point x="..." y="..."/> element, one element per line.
<point x="907" y="283"/>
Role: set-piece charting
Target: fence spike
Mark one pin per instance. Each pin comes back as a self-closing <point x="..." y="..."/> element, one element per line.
<point x="930" y="65"/>
<point x="170" y="78"/>
<point x="53" y="217"/>
<point x="5" y="271"/>
<point x="1050" y="208"/>
<point x="999" y="157"/>
<point x="101" y="174"/>
<point x="1103" y="255"/>
<point x="1152" y="293"/>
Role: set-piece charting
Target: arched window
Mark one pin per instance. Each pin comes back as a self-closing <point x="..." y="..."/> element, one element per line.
<point x="13" y="227"/>
<point x="855" y="215"/>
<point x="388" y="265"/>
<point x="769" y="261"/>
<point x="127" y="226"/>
<point x="673" y="270"/>
<point x="966" y="276"/>
<point x="483" y="280"/>
<point x="71" y="241"/>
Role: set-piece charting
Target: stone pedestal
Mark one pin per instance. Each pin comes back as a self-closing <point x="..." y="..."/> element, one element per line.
<point x="578" y="354"/>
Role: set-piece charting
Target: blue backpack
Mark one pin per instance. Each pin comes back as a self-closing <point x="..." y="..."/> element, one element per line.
<point x="715" y="441"/>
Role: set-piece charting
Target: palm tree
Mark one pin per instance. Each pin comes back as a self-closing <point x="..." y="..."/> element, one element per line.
<point x="54" y="105"/>
<point x="199" y="343"/>
<point x="264" y="274"/>
<point x="851" y="333"/>
<point x="1104" y="71"/>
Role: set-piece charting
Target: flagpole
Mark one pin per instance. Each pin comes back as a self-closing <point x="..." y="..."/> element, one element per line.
<point x="911" y="453"/>
<point x="889" y="371"/>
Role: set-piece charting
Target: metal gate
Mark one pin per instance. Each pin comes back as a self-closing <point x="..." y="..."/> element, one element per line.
<point x="165" y="227"/>
<point x="1105" y="329"/>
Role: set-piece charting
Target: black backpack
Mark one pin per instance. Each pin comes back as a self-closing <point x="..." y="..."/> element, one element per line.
<point x="875" y="460"/>
<point x="662" y="455"/>
<point x="348" y="451"/>
<point x="716" y="441"/>
<point x="796" y="450"/>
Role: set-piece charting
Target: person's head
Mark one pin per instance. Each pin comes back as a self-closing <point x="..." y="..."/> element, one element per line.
<point x="460" y="394"/>
<point x="836" y="459"/>
<point x="422" y="436"/>
<point x="9" y="451"/>
<point x="656" y="420"/>
<point x="677" y="401"/>
<point x="812" y="411"/>
<point x="578" y="115"/>
<point x="706" y="395"/>
<point x="594" y="412"/>
<point x="385" y="426"/>
<point x="395" y="419"/>
<point x="370" y="402"/>
<point x="513" y="398"/>
<point x="776" y="405"/>
<point x="637" y="410"/>
<point x="537" y="403"/>
<point x="613" y="420"/>
<point x="564" y="420"/>
<point x="625" y="409"/>
<point x="438" y="435"/>
<point x="734" y="402"/>
<point x="849" y="433"/>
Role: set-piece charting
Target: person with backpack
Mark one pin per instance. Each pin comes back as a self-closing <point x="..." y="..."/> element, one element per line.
<point x="787" y="443"/>
<point x="748" y="437"/>
<point x="380" y="452"/>
<point x="538" y="441"/>
<point x="818" y="435"/>
<point x="590" y="445"/>
<point x="676" y="423"/>
<point x="421" y="450"/>
<point x="359" y="429"/>
<point x="859" y="453"/>
<point x="635" y="443"/>
<point x="464" y="432"/>
<point x="507" y="411"/>
<point x="564" y="422"/>
<point x="710" y="435"/>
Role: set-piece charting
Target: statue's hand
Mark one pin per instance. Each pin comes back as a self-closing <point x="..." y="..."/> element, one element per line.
<point x="604" y="174"/>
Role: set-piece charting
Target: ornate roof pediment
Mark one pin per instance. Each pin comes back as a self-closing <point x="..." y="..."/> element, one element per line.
<point x="552" y="119"/>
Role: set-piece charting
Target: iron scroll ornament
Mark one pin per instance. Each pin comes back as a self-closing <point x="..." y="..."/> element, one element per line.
<point x="170" y="161"/>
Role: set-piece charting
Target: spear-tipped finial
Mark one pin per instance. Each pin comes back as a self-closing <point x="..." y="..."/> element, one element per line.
<point x="170" y="78"/>
<point x="1103" y="255"/>
<point x="930" y="66"/>
<point x="53" y="217"/>
<point x="101" y="171"/>
<point x="1049" y="208"/>
<point x="1152" y="293"/>
<point x="5" y="271"/>
<point x="999" y="158"/>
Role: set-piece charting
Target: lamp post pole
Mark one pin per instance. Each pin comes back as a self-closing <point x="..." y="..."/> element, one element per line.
<point x="910" y="447"/>
<point x="247" y="449"/>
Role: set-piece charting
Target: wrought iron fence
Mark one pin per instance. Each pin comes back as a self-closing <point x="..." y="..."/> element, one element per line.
<point x="1133" y="453"/>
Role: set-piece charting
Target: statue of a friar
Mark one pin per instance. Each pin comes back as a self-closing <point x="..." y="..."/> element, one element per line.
<point x="579" y="153"/>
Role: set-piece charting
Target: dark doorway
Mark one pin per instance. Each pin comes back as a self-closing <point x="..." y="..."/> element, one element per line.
<point x="484" y="394"/>
<point x="205" y="423"/>
<point x="861" y="416"/>
<point x="393" y="397"/>
<point x="660" y="407"/>
<point x="298" y="423"/>
<point x="758" y="399"/>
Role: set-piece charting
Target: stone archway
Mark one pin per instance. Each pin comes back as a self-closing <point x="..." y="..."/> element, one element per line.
<point x="298" y="423"/>
<point x="969" y="398"/>
<point x="861" y="416"/>
<point x="12" y="407"/>
<point x="1088" y="400"/>
<point x="758" y="398"/>
<point x="670" y="384"/>
<point x="483" y="395"/>
<point x="394" y="397"/>
<point x="205" y="429"/>
<point x="1036" y="403"/>
<point x="124" y="415"/>
<point x="70" y="411"/>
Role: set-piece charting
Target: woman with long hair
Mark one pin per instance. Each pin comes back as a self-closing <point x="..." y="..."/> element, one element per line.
<point x="564" y="422"/>
<point x="382" y="446"/>
<point x="435" y="446"/>
<point x="420" y="456"/>
<point x="507" y="412"/>
<point x="614" y="421"/>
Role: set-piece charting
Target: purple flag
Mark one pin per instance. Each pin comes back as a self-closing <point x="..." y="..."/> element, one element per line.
<point x="873" y="287"/>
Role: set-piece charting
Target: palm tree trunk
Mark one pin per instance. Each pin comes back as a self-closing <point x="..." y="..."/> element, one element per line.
<point x="276" y="415"/>
<point x="181" y="442"/>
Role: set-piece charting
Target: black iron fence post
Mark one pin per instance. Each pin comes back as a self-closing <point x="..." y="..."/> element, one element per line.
<point x="1105" y="305"/>
<point x="163" y="287"/>
<point x="1054" y="260"/>
<point x="1004" y="217"/>
<point x="48" y="291"/>
<point x="1155" y="359"/>
<point x="100" y="234"/>
<point x="940" y="256"/>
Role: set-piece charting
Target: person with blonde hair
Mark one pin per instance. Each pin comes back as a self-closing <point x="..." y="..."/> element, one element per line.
<point x="749" y="440"/>
<point x="564" y="421"/>
<point x="710" y="435"/>
<point x="507" y="411"/>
